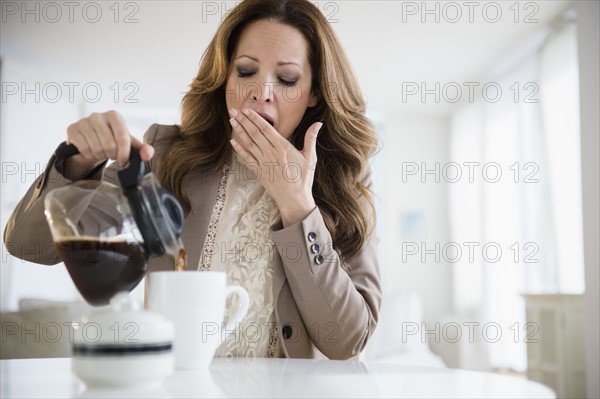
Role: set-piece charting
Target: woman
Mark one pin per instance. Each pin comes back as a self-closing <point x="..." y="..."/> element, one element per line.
<point x="271" y="165"/>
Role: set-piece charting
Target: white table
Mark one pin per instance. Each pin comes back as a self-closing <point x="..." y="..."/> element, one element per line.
<point x="280" y="378"/>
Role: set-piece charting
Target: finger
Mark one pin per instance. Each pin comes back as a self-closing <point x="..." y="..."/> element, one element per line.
<point x="310" y="141"/>
<point x="265" y="127"/>
<point x="121" y="136"/>
<point x="104" y="135"/>
<point x="255" y="130"/>
<point x="75" y="137"/>
<point x="146" y="150"/>
<point x="88" y="132"/>
<point x="244" y="139"/>
<point x="83" y="147"/>
<point x="245" y="154"/>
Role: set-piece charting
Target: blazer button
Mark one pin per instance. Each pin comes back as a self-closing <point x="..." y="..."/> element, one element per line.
<point x="319" y="259"/>
<point x="312" y="236"/>
<point x="315" y="248"/>
<point x="287" y="332"/>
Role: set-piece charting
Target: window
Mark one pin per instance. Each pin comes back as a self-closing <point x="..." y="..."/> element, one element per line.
<point x="525" y="198"/>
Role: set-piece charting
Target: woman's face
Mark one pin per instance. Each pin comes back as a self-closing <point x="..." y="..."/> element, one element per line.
<point x="271" y="75"/>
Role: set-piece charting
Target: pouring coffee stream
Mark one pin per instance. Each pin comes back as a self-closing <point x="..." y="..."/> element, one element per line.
<point x="181" y="260"/>
<point x="105" y="234"/>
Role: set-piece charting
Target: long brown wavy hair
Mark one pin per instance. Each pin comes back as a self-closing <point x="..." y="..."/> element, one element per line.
<point x="345" y="143"/>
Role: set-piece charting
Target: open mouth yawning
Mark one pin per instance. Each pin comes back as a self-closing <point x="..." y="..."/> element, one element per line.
<point x="267" y="117"/>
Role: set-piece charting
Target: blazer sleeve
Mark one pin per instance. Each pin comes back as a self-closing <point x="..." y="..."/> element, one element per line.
<point x="27" y="234"/>
<point x="339" y="307"/>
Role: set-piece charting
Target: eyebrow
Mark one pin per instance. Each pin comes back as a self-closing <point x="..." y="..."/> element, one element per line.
<point x="278" y="63"/>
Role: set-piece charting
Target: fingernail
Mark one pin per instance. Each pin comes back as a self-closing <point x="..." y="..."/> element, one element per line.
<point x="233" y="142"/>
<point x="319" y="127"/>
<point x="233" y="112"/>
<point x="233" y="122"/>
<point x="246" y="111"/>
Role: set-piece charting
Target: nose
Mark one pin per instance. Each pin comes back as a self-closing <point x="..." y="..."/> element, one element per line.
<point x="262" y="92"/>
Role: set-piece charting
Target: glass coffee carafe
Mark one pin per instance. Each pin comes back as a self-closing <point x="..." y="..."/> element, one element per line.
<point x="105" y="233"/>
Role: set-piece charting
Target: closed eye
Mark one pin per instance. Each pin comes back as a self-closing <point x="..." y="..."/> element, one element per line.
<point x="287" y="82"/>
<point x="244" y="73"/>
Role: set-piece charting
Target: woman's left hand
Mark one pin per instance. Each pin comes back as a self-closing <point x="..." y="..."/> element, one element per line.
<point x="286" y="173"/>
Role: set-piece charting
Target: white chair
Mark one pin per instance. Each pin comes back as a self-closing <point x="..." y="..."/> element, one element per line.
<point x="398" y="337"/>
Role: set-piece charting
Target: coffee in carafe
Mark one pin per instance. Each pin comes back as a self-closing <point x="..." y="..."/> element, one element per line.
<point x="100" y="269"/>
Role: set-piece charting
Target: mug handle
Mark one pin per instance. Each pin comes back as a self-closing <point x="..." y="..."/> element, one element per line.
<point x="242" y="307"/>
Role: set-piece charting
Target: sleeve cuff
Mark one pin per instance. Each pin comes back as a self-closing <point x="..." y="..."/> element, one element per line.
<point x="308" y="241"/>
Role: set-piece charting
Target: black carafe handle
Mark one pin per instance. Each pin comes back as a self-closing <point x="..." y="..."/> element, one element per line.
<point x="130" y="178"/>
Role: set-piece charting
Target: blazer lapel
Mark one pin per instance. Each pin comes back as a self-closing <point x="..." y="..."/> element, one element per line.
<point x="278" y="272"/>
<point x="202" y="190"/>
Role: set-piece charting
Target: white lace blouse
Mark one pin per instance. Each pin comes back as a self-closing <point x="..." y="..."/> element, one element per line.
<point x="238" y="243"/>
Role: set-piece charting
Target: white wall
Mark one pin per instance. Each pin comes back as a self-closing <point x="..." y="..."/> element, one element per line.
<point x="30" y="132"/>
<point x="412" y="139"/>
<point x="589" y="65"/>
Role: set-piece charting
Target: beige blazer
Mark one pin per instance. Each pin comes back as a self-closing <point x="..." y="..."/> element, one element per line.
<point x="320" y="309"/>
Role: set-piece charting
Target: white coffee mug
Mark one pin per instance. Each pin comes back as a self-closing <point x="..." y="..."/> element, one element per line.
<point x="195" y="302"/>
